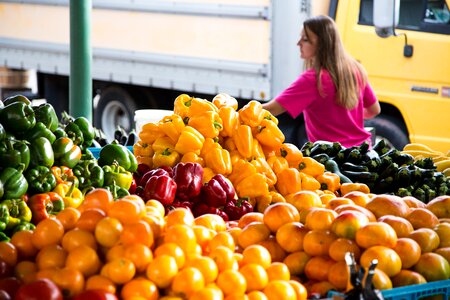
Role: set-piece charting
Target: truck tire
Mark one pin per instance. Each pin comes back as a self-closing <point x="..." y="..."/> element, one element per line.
<point x="114" y="107"/>
<point x="391" y="129"/>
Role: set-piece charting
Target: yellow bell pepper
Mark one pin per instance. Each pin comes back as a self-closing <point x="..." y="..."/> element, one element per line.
<point x="251" y="114"/>
<point x="71" y="195"/>
<point x="311" y="166"/>
<point x="208" y="123"/>
<point x="264" y="201"/>
<point x="230" y="120"/>
<point x="356" y="186"/>
<point x="225" y="100"/>
<point x="181" y="105"/>
<point x="235" y="156"/>
<point x="277" y="163"/>
<point x="218" y="159"/>
<point x="193" y="157"/>
<point x="190" y="140"/>
<point x="146" y="160"/>
<point x="269" y="134"/>
<point x="257" y="150"/>
<point x="166" y="157"/>
<point x="150" y="132"/>
<point x="309" y="183"/>
<point x="142" y="149"/>
<point x="268" y="116"/>
<point x="208" y="173"/>
<point x="172" y="126"/>
<point x="243" y="139"/>
<point x="329" y="181"/>
<point x="292" y="153"/>
<point x="163" y="143"/>
<point x="228" y="143"/>
<point x="198" y="106"/>
<point x="241" y="170"/>
<point x="289" y="181"/>
<point x="252" y="186"/>
<point x="263" y="167"/>
<point x="208" y="146"/>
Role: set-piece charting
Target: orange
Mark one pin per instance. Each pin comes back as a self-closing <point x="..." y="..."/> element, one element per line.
<point x="253" y="233"/>
<point x="388" y="260"/>
<point x="47" y="232"/>
<point x="137" y="232"/>
<point x="278" y="271"/>
<point x="401" y="225"/>
<point x="107" y="231"/>
<point x="224" y="258"/>
<point x="443" y="231"/>
<point x="187" y="281"/>
<point x="51" y="256"/>
<point x="341" y="246"/>
<point x="338" y="201"/>
<point x="249" y="218"/>
<point x="256" y="254"/>
<point x="439" y="206"/>
<point x="409" y="251"/>
<point x="279" y="289"/>
<point x="445" y="252"/>
<point x="119" y="270"/>
<point x="126" y="211"/>
<point x="325" y="198"/>
<point x="84" y="259"/>
<point x="156" y="204"/>
<point x="422" y="218"/>
<point x="162" y="270"/>
<point x="358" y="197"/>
<point x="381" y="281"/>
<point x="321" y="288"/>
<point x="206" y="265"/>
<point x="69" y="217"/>
<point x="385" y="204"/>
<point x="279" y="214"/>
<point x="183" y="236"/>
<point x="156" y="223"/>
<point x="348" y="222"/>
<point x="99" y="282"/>
<point x="320" y="219"/>
<point x="98" y="198"/>
<point x="255" y="276"/>
<point x="71" y="281"/>
<point x="179" y="215"/>
<point x="231" y="282"/>
<point x="89" y="218"/>
<point x="299" y="289"/>
<point x="427" y="239"/>
<point x="338" y="275"/>
<point x="25" y="270"/>
<point x="290" y="236"/>
<point x="22" y="241"/>
<point x="296" y="262"/>
<point x="318" y="267"/>
<point x="304" y="199"/>
<point x="207" y="293"/>
<point x="115" y="251"/>
<point x="376" y="233"/>
<point x="203" y="235"/>
<point x="317" y="242"/>
<point x="407" y="277"/>
<point x="361" y="209"/>
<point x="172" y="250"/>
<point x="276" y="252"/>
<point x="433" y="267"/>
<point x="77" y="237"/>
<point x="211" y="221"/>
<point x="256" y="295"/>
<point x="139" y="288"/>
<point x="304" y="213"/>
<point x="140" y="254"/>
<point x="413" y="202"/>
<point x="223" y="238"/>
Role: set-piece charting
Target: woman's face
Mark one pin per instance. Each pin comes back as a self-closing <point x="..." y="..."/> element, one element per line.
<point x="308" y="46"/>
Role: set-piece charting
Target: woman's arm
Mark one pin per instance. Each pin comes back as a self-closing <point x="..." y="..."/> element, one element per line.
<point x="274" y="107"/>
<point x="372" y="111"/>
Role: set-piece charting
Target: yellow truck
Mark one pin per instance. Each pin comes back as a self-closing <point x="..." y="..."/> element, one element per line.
<point x="145" y="53"/>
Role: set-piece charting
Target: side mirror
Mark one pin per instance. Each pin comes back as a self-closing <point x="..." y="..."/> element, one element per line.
<point x="385" y="16"/>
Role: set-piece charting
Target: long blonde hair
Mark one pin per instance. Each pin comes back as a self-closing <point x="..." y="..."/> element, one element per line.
<point x="347" y="74"/>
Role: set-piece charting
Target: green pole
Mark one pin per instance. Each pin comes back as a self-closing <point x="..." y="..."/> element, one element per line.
<point x="80" y="84"/>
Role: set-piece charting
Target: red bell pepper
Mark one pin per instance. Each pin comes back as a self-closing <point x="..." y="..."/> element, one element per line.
<point x="162" y="188"/>
<point x="218" y="191"/>
<point x="189" y="179"/>
<point x="45" y="204"/>
<point x="154" y="172"/>
<point x="236" y="208"/>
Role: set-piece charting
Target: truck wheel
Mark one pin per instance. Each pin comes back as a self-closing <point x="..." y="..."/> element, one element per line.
<point x="390" y="129"/>
<point x="114" y="107"/>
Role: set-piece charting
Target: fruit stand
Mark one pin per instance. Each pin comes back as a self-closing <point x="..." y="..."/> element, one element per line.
<point x="211" y="203"/>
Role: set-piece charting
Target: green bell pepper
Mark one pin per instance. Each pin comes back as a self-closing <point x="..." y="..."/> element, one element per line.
<point x="16" y="98"/>
<point x="74" y="133"/>
<point x="19" y="212"/>
<point x="14" y="152"/>
<point x="41" y="153"/>
<point x="2" y="132"/>
<point x="4" y="237"/>
<point x="40" y="180"/>
<point x="46" y="114"/>
<point x="4" y="216"/>
<point x="14" y="183"/>
<point x="59" y="132"/>
<point x="86" y="129"/>
<point x="66" y="152"/>
<point x="89" y="173"/>
<point x="22" y="226"/>
<point x="17" y="117"/>
<point x="117" y="174"/>
<point x="39" y="130"/>
<point x="117" y="152"/>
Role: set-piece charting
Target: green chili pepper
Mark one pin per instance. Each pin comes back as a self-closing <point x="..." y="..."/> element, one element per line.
<point x="46" y="114"/>
<point x="40" y="180"/>
<point x="14" y="152"/>
<point x="18" y="212"/>
<point x="4" y="216"/>
<point x="117" y="191"/>
<point x="17" y="117"/>
<point x="14" y="183"/>
<point x="41" y="153"/>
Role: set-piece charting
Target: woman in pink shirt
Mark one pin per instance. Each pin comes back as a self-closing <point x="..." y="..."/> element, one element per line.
<point x="333" y="93"/>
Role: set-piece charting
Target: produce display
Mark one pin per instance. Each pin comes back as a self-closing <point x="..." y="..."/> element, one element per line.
<point x="211" y="203"/>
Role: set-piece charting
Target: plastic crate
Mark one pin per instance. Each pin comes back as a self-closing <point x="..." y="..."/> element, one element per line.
<point x="411" y="292"/>
<point x="96" y="150"/>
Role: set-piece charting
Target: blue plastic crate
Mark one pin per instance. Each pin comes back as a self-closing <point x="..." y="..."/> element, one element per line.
<point x="412" y="292"/>
<point x="96" y="150"/>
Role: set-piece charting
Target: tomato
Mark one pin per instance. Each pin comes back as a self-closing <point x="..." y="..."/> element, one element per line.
<point x="95" y="295"/>
<point x="40" y="289"/>
<point x="10" y="285"/>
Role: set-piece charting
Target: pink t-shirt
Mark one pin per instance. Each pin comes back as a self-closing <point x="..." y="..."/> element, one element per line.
<point x="324" y="119"/>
